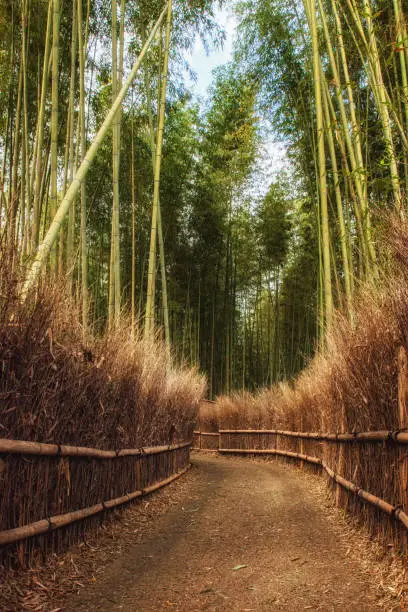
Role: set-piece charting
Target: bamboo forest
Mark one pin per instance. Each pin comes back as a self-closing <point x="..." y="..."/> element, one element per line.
<point x="173" y="222"/>
<point x="204" y="245"/>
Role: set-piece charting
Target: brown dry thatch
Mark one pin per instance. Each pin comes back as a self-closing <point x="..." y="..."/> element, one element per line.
<point x="111" y="392"/>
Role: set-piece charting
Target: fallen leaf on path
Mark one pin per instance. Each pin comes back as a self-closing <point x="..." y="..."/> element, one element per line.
<point x="37" y="582"/>
<point x="238" y="567"/>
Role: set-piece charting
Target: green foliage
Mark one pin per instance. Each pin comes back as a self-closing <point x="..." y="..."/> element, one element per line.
<point x="275" y="224"/>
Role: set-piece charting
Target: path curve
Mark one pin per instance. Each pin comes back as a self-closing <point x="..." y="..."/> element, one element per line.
<point x="264" y="517"/>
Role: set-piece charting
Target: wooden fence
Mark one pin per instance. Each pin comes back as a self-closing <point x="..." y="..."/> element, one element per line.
<point x="46" y="487"/>
<point x="335" y="453"/>
<point x="206" y="441"/>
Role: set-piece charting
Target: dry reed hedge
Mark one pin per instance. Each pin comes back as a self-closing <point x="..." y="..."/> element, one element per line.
<point x="111" y="393"/>
<point x="352" y="386"/>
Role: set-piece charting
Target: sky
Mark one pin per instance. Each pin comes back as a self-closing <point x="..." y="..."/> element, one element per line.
<point x="202" y="63"/>
<point x="273" y="158"/>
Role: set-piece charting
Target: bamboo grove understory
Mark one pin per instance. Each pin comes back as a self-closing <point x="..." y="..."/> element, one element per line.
<point x="145" y="202"/>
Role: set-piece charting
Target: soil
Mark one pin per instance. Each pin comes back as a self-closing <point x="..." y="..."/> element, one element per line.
<point x="238" y="536"/>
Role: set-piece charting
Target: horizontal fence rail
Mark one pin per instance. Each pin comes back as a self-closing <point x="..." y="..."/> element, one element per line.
<point x="207" y="433"/>
<point x="399" y="437"/>
<point x="20" y="447"/>
<point x="274" y="451"/>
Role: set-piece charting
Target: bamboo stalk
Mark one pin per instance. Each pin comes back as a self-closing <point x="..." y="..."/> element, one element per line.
<point x="70" y="148"/>
<point x="54" y="121"/>
<point x="310" y="9"/>
<point x="25" y="174"/>
<point x="374" y="72"/>
<point x="353" y="144"/>
<point x="55" y="522"/>
<point x="13" y="201"/>
<point x="52" y="233"/>
<point x="336" y="179"/>
<point x="159" y="219"/>
<point x="133" y="282"/>
<point x="149" y="318"/>
<point x="115" y="175"/>
<point x="114" y="280"/>
<point x="38" y="165"/>
<point x="84" y="250"/>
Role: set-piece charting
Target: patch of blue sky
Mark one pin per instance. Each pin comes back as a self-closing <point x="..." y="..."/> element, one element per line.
<point x="273" y="158"/>
<point x="203" y="63"/>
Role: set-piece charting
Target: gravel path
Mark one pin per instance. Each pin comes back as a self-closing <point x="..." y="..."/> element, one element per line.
<point x="244" y="536"/>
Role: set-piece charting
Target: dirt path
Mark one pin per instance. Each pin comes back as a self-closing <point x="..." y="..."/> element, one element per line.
<point x="262" y="516"/>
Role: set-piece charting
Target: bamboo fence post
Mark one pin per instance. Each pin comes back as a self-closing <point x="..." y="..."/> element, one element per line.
<point x="138" y="477"/>
<point x="403" y="422"/>
<point x="302" y="450"/>
<point x="340" y="461"/>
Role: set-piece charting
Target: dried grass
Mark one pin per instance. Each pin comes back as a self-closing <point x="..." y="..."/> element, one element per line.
<point x="109" y="392"/>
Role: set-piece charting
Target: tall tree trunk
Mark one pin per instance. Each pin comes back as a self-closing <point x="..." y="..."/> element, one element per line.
<point x="328" y="298"/>
<point x="159" y="216"/>
<point x="113" y="282"/>
<point x="54" y="120"/>
<point x="339" y="203"/>
<point x="84" y="254"/>
<point x="25" y="175"/>
<point x="68" y="176"/>
<point x="149" y="322"/>
<point x="132" y="172"/>
<point x="13" y="204"/>
<point x="39" y="167"/>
